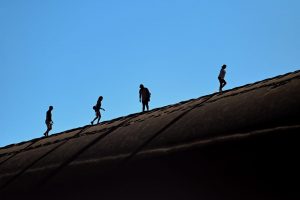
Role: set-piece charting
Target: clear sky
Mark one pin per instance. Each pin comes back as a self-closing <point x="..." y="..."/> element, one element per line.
<point x="66" y="53"/>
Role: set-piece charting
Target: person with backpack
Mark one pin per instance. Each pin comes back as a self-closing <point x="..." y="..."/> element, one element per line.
<point x="49" y="121"/>
<point x="144" y="97"/>
<point x="221" y="78"/>
<point x="97" y="108"/>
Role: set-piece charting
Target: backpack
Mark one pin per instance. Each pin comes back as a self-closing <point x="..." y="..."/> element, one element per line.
<point x="148" y="93"/>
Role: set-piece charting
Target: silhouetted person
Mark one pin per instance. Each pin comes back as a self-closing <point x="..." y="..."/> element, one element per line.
<point x="48" y="121"/>
<point x="144" y="97"/>
<point x="221" y="78"/>
<point x="97" y="108"/>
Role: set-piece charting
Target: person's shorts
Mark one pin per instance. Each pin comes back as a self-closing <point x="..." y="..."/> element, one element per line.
<point x="221" y="79"/>
<point x="98" y="113"/>
<point x="145" y="101"/>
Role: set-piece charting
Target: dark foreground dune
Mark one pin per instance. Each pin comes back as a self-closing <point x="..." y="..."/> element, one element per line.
<point x="243" y="144"/>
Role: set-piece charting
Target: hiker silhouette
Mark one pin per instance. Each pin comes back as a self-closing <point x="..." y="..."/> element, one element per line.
<point x="49" y="121"/>
<point x="97" y="108"/>
<point x="144" y="97"/>
<point x="221" y="78"/>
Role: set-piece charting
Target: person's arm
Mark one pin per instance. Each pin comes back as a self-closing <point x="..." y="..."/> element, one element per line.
<point x="102" y="109"/>
<point x="140" y="94"/>
<point x="51" y="121"/>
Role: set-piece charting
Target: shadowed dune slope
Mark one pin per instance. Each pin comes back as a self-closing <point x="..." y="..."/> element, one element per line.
<point x="242" y="144"/>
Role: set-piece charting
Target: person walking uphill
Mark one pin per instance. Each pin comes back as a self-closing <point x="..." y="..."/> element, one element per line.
<point x="144" y="97"/>
<point x="49" y="121"/>
<point x="221" y="78"/>
<point x="97" y="108"/>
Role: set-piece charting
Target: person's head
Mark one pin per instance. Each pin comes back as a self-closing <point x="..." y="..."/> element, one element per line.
<point x="141" y="86"/>
<point x="50" y="107"/>
<point x="100" y="98"/>
<point x="223" y="66"/>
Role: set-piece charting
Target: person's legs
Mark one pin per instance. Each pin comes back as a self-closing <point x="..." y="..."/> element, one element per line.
<point x="221" y="84"/>
<point x="224" y="83"/>
<point x="92" y="122"/>
<point x="46" y="132"/>
<point x="143" y="106"/>
<point x="99" y="117"/>
<point x="147" y="106"/>
<point x="49" y="127"/>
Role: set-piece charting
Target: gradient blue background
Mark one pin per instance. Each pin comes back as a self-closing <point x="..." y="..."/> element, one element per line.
<point x="66" y="53"/>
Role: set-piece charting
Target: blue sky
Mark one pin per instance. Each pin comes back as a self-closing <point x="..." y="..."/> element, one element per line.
<point x="66" y="53"/>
